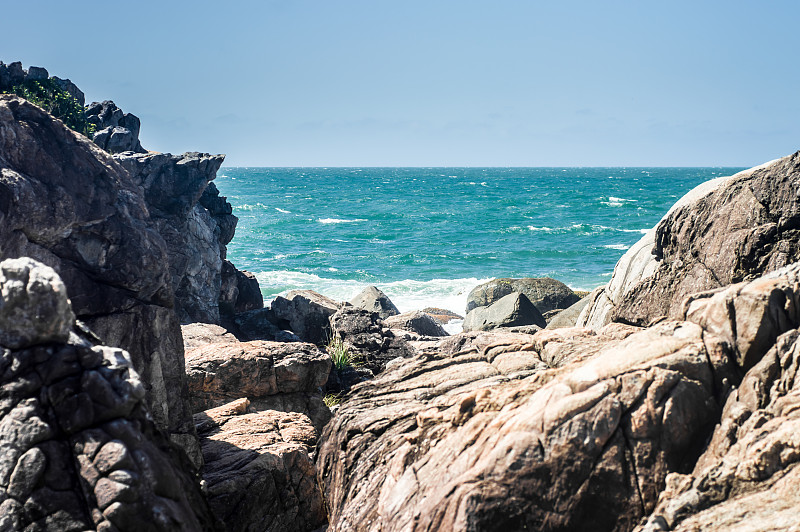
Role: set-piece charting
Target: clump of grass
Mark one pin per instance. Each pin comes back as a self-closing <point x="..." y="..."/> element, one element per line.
<point x="332" y="400"/>
<point x="340" y="353"/>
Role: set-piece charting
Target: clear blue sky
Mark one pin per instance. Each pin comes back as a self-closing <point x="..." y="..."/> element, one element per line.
<point x="434" y="83"/>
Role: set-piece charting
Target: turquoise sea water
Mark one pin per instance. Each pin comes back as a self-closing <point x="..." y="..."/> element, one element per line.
<point x="427" y="236"/>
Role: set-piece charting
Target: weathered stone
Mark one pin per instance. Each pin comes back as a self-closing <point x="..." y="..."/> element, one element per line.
<point x="545" y="293"/>
<point x="82" y="452"/>
<point x="36" y="74"/>
<point x="220" y="373"/>
<point x="34" y="307"/>
<point x="69" y="205"/>
<point x="513" y="310"/>
<point x="116" y="132"/>
<point x="569" y="316"/>
<point x="258" y="472"/>
<point x="370" y="345"/>
<point x="441" y="315"/>
<point x="417" y="322"/>
<point x="725" y="231"/>
<point x="200" y="334"/>
<point x="374" y="300"/>
<point x="306" y="313"/>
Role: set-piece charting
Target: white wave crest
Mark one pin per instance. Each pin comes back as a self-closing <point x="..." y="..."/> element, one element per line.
<point x="339" y="220"/>
<point x="283" y="211"/>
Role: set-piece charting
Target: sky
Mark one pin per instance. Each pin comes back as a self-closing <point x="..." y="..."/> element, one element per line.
<point x="434" y="82"/>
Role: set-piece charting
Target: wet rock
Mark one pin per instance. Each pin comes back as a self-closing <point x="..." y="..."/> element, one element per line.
<point x="259" y="472"/>
<point x="374" y="300"/>
<point x="545" y="293"/>
<point x="417" y="322"/>
<point x="513" y="310"/>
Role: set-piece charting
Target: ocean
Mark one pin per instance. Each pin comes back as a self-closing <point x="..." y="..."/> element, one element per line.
<point x="427" y="236"/>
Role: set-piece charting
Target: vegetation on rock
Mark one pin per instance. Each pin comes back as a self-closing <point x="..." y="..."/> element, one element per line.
<point x="56" y="101"/>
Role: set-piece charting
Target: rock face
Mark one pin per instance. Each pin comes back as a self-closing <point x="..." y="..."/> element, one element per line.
<point x="416" y="322"/>
<point x="173" y="186"/>
<point x="750" y="471"/>
<point x="724" y="231"/>
<point x="69" y="205"/>
<point x="573" y="428"/>
<point x="116" y="131"/>
<point x="513" y="310"/>
<point x="78" y="449"/>
<point x="374" y="300"/>
<point x="259" y="472"/>
<point x="306" y="313"/>
<point x="545" y="293"/>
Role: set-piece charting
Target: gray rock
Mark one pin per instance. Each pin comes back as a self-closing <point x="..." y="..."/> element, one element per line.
<point x="116" y="132"/>
<point x="545" y="293"/>
<point x="512" y="310"/>
<point x="36" y="74"/>
<point x="569" y="316"/>
<point x="67" y="86"/>
<point x="34" y="307"/>
<point x="78" y="447"/>
<point x="374" y="300"/>
<point x="306" y="313"/>
<point x="200" y="334"/>
<point x="68" y="204"/>
<point x="417" y="322"/>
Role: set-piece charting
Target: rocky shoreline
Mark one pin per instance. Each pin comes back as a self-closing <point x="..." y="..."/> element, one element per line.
<point x="146" y="387"/>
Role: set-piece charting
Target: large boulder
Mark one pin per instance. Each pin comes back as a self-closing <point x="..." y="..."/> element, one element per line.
<point x="374" y="300"/>
<point x="306" y="313"/>
<point x="417" y="322"/>
<point x="68" y="204"/>
<point x="78" y="448"/>
<point x="513" y="310"/>
<point x="219" y="373"/>
<point x="545" y="293"/>
<point x="259" y="473"/>
<point x="573" y="428"/>
<point x="724" y="231"/>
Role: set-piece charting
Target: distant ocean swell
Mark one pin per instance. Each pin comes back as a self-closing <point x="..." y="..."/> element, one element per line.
<point x="427" y="236"/>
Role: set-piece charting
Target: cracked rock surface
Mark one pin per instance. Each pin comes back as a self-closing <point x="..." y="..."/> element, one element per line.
<point x="78" y="448"/>
<point x="725" y="231"/>
<point x="70" y="205"/>
<point x="258" y="468"/>
<point x="566" y="429"/>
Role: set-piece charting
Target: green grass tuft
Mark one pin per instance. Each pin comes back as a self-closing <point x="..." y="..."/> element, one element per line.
<point x="340" y="353"/>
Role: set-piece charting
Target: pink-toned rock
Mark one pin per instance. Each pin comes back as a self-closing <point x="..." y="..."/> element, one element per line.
<point x="258" y="469"/>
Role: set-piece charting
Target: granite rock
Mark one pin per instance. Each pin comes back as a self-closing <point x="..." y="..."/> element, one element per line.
<point x="306" y="313"/>
<point x="417" y="322"/>
<point x="374" y="300"/>
<point x="512" y="310"/>
<point x="545" y="293"/>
